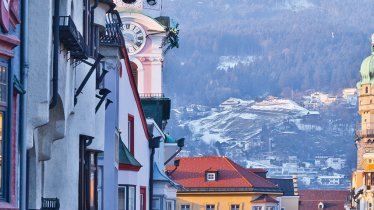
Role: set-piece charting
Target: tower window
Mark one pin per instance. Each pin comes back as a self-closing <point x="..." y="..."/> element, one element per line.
<point x="366" y="90"/>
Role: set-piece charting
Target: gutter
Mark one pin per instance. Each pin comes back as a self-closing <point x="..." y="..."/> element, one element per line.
<point x="56" y="46"/>
<point x="151" y="160"/>
<point x="24" y="81"/>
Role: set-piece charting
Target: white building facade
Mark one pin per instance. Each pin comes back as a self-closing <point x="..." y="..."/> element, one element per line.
<point x="66" y="103"/>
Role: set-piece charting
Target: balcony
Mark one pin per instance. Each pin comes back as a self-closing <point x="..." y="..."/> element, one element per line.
<point x="156" y="106"/>
<point x="71" y="38"/>
<point x="366" y="133"/>
<point x="113" y="35"/>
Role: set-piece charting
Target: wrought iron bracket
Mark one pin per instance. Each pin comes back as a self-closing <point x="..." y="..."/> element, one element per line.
<point x="85" y="80"/>
<point x="103" y="94"/>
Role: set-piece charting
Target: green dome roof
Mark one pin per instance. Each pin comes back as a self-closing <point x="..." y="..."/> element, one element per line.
<point x="367" y="69"/>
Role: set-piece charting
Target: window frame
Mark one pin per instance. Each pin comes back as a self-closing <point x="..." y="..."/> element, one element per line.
<point x="131" y="134"/>
<point x="212" y="178"/>
<point x="235" y="206"/>
<point x="127" y="195"/>
<point x="5" y="144"/>
<point x="143" y="195"/>
<point x="210" y="207"/>
<point x="159" y="200"/>
<point x="185" y="207"/>
<point x="172" y="204"/>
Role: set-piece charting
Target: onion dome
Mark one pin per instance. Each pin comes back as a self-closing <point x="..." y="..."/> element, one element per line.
<point x="367" y="68"/>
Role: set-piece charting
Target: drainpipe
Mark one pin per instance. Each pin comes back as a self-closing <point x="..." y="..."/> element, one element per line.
<point x="24" y="77"/>
<point x="151" y="160"/>
<point x="56" y="46"/>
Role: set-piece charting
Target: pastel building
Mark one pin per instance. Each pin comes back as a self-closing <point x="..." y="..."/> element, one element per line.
<point x="219" y="183"/>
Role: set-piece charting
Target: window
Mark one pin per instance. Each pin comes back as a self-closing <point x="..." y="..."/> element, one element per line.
<point x="235" y="207"/>
<point x="143" y="198"/>
<point x="270" y="208"/>
<point x="366" y="90"/>
<point x="87" y="176"/>
<point x="170" y="205"/>
<point x="131" y="198"/>
<point x="156" y="204"/>
<point x="130" y="137"/>
<point x="257" y="208"/>
<point x="3" y="128"/>
<point x="185" y="207"/>
<point x="90" y="31"/>
<point x="100" y="187"/>
<point x="209" y="207"/>
<point x="211" y="176"/>
<point x="126" y="197"/>
<point x="121" y="198"/>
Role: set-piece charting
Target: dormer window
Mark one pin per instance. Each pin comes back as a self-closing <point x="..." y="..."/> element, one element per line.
<point x="211" y="175"/>
<point x="321" y="205"/>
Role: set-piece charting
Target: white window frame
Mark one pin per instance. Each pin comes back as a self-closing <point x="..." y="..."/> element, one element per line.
<point x="157" y="199"/>
<point x="210" y="207"/>
<point x="172" y="206"/>
<point x="235" y="207"/>
<point x="185" y="207"/>
<point x="211" y="176"/>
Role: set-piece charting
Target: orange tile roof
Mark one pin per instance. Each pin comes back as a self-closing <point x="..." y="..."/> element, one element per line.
<point x="191" y="174"/>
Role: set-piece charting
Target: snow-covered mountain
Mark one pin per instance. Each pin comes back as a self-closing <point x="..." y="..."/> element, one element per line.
<point x="276" y="133"/>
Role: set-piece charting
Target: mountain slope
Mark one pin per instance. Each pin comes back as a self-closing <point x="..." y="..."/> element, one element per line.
<point x="268" y="47"/>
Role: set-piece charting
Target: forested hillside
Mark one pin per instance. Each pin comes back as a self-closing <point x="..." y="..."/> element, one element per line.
<point x="289" y="46"/>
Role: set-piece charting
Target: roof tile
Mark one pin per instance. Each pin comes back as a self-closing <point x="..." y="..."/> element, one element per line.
<point x="191" y="174"/>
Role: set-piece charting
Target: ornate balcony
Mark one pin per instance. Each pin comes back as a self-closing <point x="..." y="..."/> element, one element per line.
<point x="71" y="38"/>
<point x="112" y="35"/>
<point x="156" y="106"/>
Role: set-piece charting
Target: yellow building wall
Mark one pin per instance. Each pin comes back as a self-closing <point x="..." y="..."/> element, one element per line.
<point x="222" y="201"/>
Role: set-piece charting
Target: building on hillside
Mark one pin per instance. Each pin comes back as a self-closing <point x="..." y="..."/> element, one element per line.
<point x="13" y="72"/>
<point x="218" y="182"/>
<point x="362" y="181"/>
<point x="330" y="180"/>
<point x="323" y="199"/>
<point x="66" y="100"/>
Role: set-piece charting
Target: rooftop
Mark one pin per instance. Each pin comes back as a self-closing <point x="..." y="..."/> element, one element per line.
<point x="331" y="199"/>
<point x="191" y="174"/>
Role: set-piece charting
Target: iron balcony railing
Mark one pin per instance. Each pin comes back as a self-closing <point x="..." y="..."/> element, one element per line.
<point x="152" y="95"/>
<point x="113" y="34"/>
<point x="71" y="38"/>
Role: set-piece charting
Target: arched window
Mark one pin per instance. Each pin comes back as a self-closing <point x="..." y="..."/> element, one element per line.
<point x="134" y="69"/>
<point x="366" y="90"/>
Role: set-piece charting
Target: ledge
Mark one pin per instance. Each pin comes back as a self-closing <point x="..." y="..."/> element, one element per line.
<point x="7" y="206"/>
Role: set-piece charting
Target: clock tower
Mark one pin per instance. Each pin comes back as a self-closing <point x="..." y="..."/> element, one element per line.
<point x="144" y="36"/>
<point x="146" y="32"/>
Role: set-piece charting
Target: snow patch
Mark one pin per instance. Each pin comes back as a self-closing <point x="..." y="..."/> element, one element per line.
<point x="227" y="63"/>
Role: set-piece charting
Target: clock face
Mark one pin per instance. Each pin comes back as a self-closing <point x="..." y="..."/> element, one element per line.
<point x="134" y="36"/>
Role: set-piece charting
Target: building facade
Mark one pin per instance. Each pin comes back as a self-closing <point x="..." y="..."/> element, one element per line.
<point x="12" y="99"/>
<point x="66" y="102"/>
